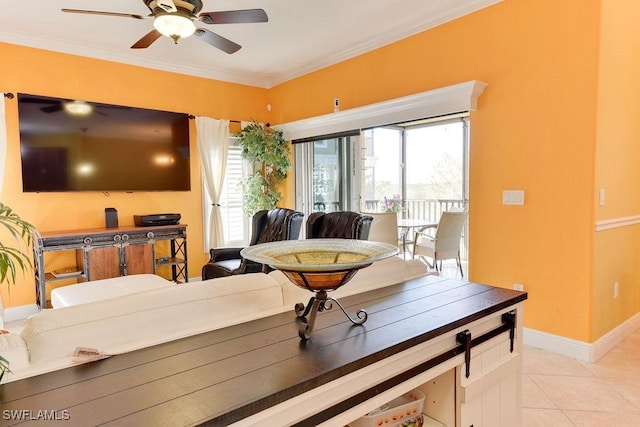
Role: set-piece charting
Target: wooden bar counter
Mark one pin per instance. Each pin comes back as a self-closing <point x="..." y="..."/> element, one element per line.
<point x="459" y="342"/>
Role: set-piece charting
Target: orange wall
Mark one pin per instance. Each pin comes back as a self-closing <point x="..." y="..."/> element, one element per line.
<point x="534" y="130"/>
<point x="562" y="98"/>
<point x="45" y="73"/>
<point x="616" y="251"/>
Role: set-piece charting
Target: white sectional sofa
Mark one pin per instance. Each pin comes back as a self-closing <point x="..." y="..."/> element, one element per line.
<point x="159" y="314"/>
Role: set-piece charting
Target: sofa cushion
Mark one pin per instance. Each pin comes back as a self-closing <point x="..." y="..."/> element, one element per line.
<point x="13" y="348"/>
<point x="147" y="318"/>
<point x="98" y="290"/>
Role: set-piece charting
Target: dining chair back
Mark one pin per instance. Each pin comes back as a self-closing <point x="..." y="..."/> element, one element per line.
<point x="384" y="227"/>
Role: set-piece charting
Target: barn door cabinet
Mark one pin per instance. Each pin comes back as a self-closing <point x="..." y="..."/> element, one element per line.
<point x="481" y="388"/>
<point x="110" y="252"/>
<point x="471" y="376"/>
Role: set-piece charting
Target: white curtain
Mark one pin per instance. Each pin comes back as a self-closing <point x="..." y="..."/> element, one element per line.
<point x="213" y="140"/>
<point x="3" y="145"/>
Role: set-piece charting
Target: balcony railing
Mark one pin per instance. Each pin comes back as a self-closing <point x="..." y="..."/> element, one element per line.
<point x="427" y="209"/>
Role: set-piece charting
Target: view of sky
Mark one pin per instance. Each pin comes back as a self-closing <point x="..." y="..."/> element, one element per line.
<point x="434" y="155"/>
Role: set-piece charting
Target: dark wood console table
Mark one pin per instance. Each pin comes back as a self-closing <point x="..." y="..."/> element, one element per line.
<point x="455" y="339"/>
<point x="102" y="253"/>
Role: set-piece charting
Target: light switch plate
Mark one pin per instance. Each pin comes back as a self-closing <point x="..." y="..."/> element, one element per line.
<point x="513" y="197"/>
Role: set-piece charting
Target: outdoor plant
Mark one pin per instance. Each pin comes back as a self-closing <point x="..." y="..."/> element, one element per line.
<point x="266" y="148"/>
<point x="13" y="258"/>
<point x="393" y="204"/>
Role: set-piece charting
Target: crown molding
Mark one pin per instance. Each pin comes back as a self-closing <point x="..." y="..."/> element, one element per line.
<point x="256" y="78"/>
<point x="129" y="58"/>
<point x="428" y="22"/>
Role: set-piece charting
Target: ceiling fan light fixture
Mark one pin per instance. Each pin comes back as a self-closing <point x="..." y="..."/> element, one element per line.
<point x="174" y="25"/>
<point x="78" y="108"/>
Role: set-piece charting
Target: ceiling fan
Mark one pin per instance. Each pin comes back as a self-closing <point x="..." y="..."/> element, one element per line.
<point x="175" y="19"/>
<point x="74" y="107"/>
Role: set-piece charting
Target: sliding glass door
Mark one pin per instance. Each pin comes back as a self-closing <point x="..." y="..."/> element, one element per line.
<point x="383" y="166"/>
<point x="435" y="168"/>
<point x="423" y="163"/>
<point x="327" y="178"/>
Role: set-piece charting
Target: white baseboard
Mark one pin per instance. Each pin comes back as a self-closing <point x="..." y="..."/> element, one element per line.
<point x="580" y="350"/>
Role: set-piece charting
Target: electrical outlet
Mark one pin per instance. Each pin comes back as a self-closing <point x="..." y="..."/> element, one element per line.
<point x="616" y="289"/>
<point x="518" y="286"/>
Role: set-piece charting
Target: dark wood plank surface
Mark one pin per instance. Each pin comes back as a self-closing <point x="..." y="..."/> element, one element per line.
<point x="228" y="374"/>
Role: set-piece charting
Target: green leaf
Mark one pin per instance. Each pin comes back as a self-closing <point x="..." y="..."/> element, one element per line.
<point x="14" y="259"/>
<point x="4" y="367"/>
<point x="266" y="147"/>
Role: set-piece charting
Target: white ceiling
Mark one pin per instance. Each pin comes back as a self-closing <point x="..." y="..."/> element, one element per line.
<point x="301" y="35"/>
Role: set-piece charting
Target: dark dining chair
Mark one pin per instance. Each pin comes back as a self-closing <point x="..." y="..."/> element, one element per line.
<point x="338" y="225"/>
<point x="267" y="226"/>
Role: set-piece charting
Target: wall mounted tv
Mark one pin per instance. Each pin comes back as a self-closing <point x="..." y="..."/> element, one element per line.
<point x="73" y="145"/>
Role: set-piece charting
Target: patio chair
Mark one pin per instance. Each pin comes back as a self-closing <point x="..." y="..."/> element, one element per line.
<point x="338" y="225"/>
<point x="445" y="243"/>
<point x="267" y="226"/>
<point x="384" y="227"/>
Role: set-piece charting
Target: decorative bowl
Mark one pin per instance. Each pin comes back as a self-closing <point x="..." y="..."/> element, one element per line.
<point x="319" y="264"/>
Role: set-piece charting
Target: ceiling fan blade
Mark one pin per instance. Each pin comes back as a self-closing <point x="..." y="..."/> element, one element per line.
<point x="52" y="108"/>
<point x="215" y="40"/>
<point x="146" y="40"/>
<point x="28" y="100"/>
<point x="234" y="16"/>
<point x="97" y="12"/>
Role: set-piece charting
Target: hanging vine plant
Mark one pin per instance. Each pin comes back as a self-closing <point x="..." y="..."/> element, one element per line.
<point x="267" y="149"/>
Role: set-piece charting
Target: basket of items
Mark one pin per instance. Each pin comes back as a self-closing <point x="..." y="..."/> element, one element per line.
<point x="403" y="411"/>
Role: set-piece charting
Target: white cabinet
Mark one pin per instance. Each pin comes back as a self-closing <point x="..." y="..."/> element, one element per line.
<point x="491" y="396"/>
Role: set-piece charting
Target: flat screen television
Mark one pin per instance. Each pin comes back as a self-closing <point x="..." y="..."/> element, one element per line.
<point x="72" y="145"/>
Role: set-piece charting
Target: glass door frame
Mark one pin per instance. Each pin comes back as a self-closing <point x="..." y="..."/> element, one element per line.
<point x="349" y="190"/>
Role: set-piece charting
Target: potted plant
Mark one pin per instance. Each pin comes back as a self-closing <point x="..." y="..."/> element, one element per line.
<point x="13" y="258"/>
<point x="392" y="204"/>
<point x="267" y="149"/>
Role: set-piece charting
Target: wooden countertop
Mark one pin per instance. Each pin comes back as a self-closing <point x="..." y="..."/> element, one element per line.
<point x="225" y="375"/>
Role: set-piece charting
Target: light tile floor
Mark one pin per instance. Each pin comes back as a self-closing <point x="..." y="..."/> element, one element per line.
<point x="559" y="391"/>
